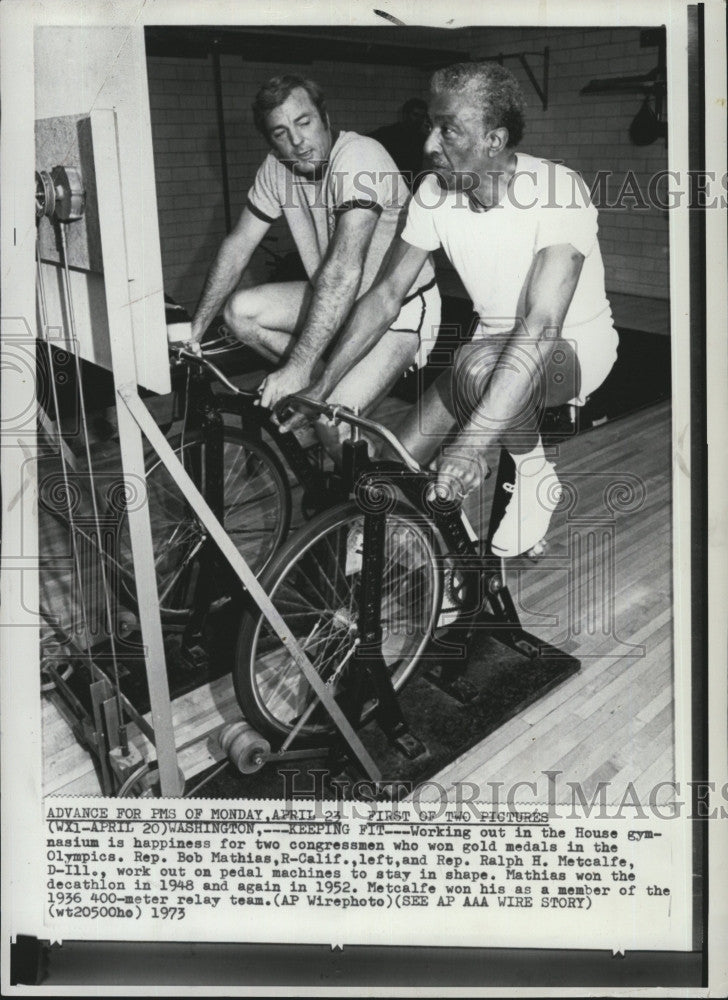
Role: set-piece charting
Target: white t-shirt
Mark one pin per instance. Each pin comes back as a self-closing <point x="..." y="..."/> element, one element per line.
<point x="493" y="251"/>
<point x="359" y="173"/>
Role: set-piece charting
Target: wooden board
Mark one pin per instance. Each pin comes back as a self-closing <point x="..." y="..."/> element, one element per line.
<point x="60" y="142"/>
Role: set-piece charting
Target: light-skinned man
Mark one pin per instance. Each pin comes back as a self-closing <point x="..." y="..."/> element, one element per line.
<point x="345" y="204"/>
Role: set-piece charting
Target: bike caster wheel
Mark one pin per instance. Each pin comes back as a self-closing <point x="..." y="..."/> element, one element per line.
<point x="538" y="550"/>
<point x="246" y="749"/>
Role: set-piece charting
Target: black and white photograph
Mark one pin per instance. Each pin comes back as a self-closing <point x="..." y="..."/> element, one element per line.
<point x="402" y="285"/>
<point x="356" y="379"/>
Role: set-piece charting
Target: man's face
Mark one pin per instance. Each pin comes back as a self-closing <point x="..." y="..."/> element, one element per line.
<point x="457" y="144"/>
<point x="297" y="133"/>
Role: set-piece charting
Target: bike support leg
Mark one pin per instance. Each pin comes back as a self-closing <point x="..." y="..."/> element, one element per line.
<point x="369" y="652"/>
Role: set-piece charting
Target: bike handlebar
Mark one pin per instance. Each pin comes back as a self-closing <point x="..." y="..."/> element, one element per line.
<point x="203" y="362"/>
<point x="338" y="412"/>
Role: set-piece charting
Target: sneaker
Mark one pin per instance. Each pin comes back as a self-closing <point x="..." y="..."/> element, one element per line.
<point x="535" y="495"/>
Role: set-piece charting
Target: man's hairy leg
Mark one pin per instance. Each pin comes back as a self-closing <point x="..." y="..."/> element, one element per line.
<point x="267" y="317"/>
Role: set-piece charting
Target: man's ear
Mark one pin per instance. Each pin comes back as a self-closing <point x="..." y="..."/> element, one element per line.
<point x="496" y="141"/>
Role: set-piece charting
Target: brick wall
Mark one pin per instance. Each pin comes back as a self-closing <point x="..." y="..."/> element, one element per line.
<point x="588" y="133"/>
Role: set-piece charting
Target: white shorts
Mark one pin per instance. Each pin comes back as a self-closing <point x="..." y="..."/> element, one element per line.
<point x="421" y="314"/>
<point x="595" y="343"/>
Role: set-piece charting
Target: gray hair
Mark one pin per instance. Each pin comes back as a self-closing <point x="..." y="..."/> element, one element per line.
<point x="494" y="88"/>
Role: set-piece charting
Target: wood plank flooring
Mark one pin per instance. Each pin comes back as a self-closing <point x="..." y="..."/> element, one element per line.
<point x="614" y="719"/>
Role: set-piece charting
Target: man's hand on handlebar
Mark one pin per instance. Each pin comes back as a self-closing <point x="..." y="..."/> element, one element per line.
<point x="287" y="381"/>
<point x="293" y="420"/>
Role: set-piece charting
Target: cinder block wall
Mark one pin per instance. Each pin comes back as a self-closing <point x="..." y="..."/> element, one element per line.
<point x="188" y="171"/>
<point x="587" y="133"/>
<point x="187" y="148"/>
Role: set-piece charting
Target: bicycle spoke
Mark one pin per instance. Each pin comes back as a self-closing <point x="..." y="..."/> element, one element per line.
<point x="336" y="557"/>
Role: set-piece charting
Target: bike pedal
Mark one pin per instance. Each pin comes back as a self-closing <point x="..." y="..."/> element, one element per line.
<point x="409" y="745"/>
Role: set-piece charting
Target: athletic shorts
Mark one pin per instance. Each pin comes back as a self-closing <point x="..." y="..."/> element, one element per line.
<point x="595" y="343"/>
<point x="421" y="314"/>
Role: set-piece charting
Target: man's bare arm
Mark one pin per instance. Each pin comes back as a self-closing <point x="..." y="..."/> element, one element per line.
<point x="335" y="291"/>
<point x="373" y="314"/>
<point x="232" y="258"/>
<point x="550" y="289"/>
<point x="549" y="292"/>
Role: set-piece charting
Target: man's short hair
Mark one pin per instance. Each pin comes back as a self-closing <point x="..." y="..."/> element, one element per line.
<point x="277" y="90"/>
<point x="494" y="88"/>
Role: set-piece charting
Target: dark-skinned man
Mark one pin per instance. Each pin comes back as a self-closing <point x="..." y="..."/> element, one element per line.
<point x="522" y="234"/>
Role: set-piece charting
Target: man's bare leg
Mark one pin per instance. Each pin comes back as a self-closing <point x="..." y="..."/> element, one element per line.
<point x="555" y="382"/>
<point x="535" y="490"/>
<point x="368" y="383"/>
<point x="267" y="316"/>
<point x="429" y="421"/>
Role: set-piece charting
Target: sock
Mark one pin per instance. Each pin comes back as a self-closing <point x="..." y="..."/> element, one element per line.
<point x="528" y="461"/>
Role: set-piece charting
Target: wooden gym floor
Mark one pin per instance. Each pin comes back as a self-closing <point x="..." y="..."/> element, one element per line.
<point x="609" y="605"/>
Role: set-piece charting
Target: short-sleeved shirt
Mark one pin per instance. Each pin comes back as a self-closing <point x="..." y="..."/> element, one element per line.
<point x="360" y="173"/>
<point x="493" y="251"/>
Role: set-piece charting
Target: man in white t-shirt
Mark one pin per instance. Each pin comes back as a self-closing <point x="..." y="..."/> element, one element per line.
<point x="522" y="234"/>
<point x="345" y="204"/>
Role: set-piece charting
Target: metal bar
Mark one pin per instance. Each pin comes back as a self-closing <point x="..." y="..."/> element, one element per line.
<point x="369" y="652"/>
<point x="141" y="415"/>
<point x="116" y="285"/>
<point x="200" y="359"/>
<point x="73" y="341"/>
<point x="64" y="470"/>
<point x="220" y="110"/>
<point x="534" y="82"/>
<point x="337" y="413"/>
<point x="314" y="704"/>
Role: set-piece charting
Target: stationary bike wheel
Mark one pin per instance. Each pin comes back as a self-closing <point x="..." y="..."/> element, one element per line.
<point x="257" y="513"/>
<point x="315" y="582"/>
